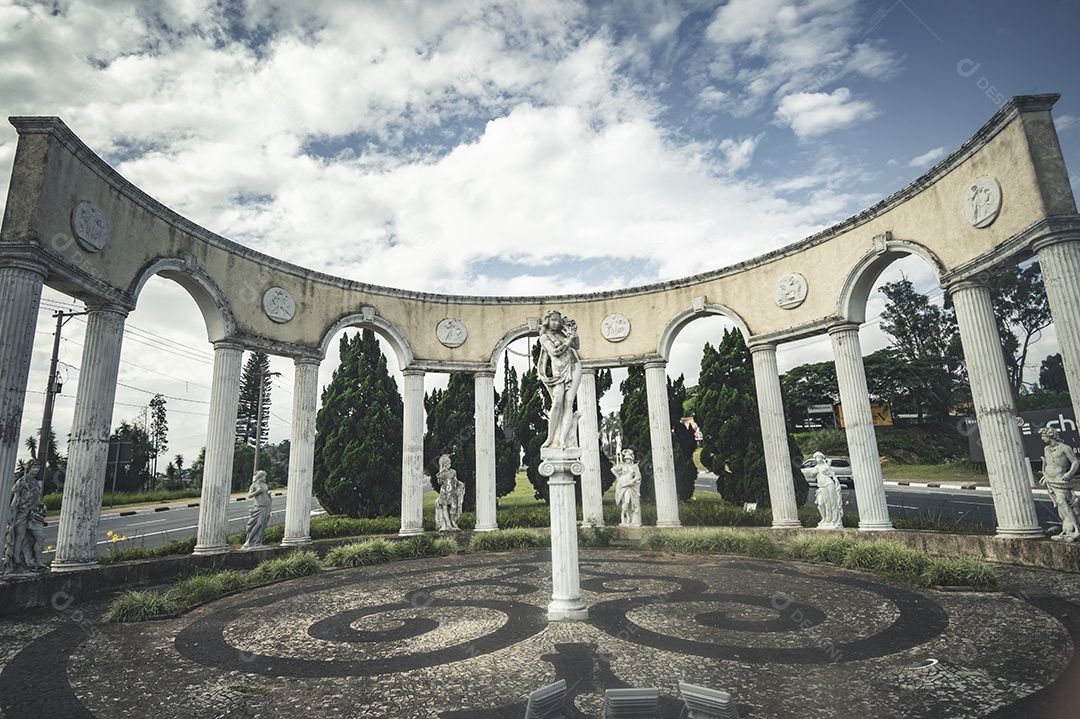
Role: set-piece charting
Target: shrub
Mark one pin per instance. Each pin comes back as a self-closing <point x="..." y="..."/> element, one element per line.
<point x="721" y="541"/>
<point x="175" y="546"/>
<point x="820" y="549"/>
<point x="371" y="551"/>
<point x="507" y="539"/>
<point x="888" y="558"/>
<point x="959" y="572"/>
<point x="203" y="587"/>
<point x="595" y="536"/>
<point x="135" y="606"/>
<point x="296" y="564"/>
<point x="423" y="545"/>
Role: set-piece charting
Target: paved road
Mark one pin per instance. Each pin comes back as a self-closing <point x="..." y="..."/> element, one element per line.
<point x="152" y="529"/>
<point x="945" y="504"/>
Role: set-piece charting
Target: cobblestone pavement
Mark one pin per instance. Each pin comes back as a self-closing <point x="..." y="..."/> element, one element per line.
<point x="467" y="637"/>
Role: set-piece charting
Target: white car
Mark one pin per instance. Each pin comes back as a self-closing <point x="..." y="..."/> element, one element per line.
<point x="840" y="467"/>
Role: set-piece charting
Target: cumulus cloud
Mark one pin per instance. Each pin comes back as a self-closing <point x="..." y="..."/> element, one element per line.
<point x="928" y="158"/>
<point x="811" y="114"/>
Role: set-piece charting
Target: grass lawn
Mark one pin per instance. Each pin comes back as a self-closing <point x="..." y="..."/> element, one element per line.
<point x="955" y="472"/>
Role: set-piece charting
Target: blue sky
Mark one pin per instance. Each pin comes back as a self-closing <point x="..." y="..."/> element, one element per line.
<point x="517" y="147"/>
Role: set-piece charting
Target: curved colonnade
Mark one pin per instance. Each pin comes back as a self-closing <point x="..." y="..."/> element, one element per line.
<point x="74" y="224"/>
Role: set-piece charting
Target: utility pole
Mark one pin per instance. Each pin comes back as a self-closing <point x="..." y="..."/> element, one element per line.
<point x="258" y="416"/>
<point x="52" y="390"/>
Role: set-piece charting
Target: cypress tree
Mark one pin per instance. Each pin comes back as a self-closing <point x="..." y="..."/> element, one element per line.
<point x="358" y="434"/>
<point x="256" y="372"/>
<point x="530" y="426"/>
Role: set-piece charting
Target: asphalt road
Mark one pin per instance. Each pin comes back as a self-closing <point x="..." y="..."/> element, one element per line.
<point x="152" y="529"/>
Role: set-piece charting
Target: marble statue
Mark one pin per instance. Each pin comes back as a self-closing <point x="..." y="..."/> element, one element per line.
<point x="560" y="370"/>
<point x="259" y="514"/>
<point x="1059" y="475"/>
<point x="26" y="525"/>
<point x="628" y="488"/>
<point x="830" y="501"/>
<point x="451" y="496"/>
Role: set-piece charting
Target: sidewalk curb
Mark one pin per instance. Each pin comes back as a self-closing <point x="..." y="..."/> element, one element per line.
<point x="938" y="485"/>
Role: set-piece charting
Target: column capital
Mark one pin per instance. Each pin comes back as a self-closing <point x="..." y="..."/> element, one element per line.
<point x="106" y="306"/>
<point x="842" y="327"/>
<point x="656" y="364"/>
<point x="763" y="346"/>
<point x="24" y="263"/>
<point x="1057" y="238"/>
<point x="588" y="371"/>
<point x="485" y="373"/>
<point x="980" y="281"/>
<point x="316" y="361"/>
<point x="228" y="344"/>
<point x="412" y="372"/>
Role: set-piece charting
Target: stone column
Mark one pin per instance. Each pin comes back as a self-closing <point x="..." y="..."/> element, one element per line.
<point x="1059" y="259"/>
<point x="560" y="465"/>
<point x="995" y="411"/>
<point x="485" y="451"/>
<point x="663" y="458"/>
<point x="220" y="445"/>
<point x="88" y="444"/>
<point x="774" y="437"/>
<point x="20" y="297"/>
<point x="412" y="455"/>
<point x="592" y="503"/>
<point x="859" y="428"/>
<point x="301" y="451"/>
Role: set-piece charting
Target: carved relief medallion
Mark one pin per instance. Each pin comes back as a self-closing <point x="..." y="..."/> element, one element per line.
<point x="89" y="226"/>
<point x="615" y="327"/>
<point x="790" y="291"/>
<point x="451" y="332"/>
<point x="982" y="202"/>
<point x="278" y="304"/>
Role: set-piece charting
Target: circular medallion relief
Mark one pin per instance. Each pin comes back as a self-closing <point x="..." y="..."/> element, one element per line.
<point x="278" y="304"/>
<point x="451" y="332"/>
<point x="615" y="327"/>
<point x="982" y="201"/>
<point x="790" y="291"/>
<point x="89" y="226"/>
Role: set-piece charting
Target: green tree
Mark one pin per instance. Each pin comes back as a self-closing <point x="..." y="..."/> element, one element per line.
<point x="1022" y="312"/>
<point x="530" y="425"/>
<point x="805" y="385"/>
<point x="358" y="434"/>
<point x="159" y="430"/>
<point x="134" y="475"/>
<point x="55" y="464"/>
<point x="1052" y="374"/>
<point x="196" y="469"/>
<point x="274" y="458"/>
<point x="732" y="447"/>
<point x="256" y="374"/>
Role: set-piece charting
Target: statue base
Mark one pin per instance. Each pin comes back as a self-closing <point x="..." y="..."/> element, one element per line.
<point x="560" y="465"/>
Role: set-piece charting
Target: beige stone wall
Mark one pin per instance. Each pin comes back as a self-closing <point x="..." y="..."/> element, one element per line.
<point x="54" y="171"/>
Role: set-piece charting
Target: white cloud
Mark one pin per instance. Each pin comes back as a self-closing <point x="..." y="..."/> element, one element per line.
<point x="928" y="158"/>
<point x="811" y="114"/>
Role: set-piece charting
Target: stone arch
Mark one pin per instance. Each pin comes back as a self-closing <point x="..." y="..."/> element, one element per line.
<point x="507" y="339"/>
<point x="382" y="327"/>
<point x="699" y="309"/>
<point x="851" y="304"/>
<point x="211" y="299"/>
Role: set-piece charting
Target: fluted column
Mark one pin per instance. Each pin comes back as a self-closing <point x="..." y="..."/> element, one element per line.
<point x="301" y="451"/>
<point x="559" y="465"/>
<point x="20" y="297"/>
<point x="859" y="428"/>
<point x="412" y="455"/>
<point x="1059" y="259"/>
<point x="663" y="458"/>
<point x="995" y="411"/>
<point x="485" y="451"/>
<point x="220" y="446"/>
<point x="88" y="444"/>
<point x="774" y="436"/>
<point x="592" y="503"/>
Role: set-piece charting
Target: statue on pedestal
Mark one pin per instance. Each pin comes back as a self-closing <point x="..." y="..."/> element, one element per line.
<point x="559" y="369"/>
<point x="830" y="501"/>
<point x="26" y="526"/>
<point x="1059" y="472"/>
<point x="628" y="488"/>
<point x="259" y="514"/>
<point x="451" y="496"/>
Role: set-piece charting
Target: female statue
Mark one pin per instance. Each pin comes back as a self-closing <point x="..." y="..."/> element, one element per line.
<point x="451" y="495"/>
<point x="259" y="514"/>
<point x="560" y="370"/>
<point x="628" y="489"/>
<point x="22" y="550"/>
<point x="829" y="499"/>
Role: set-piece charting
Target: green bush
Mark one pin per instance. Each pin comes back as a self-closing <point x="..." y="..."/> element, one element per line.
<point x="423" y="545"/>
<point x="595" y="536"/>
<point x="136" y="606"/>
<point x="830" y="550"/>
<point x="889" y="558"/>
<point x="357" y="554"/>
<point x="175" y="546"/>
<point x="757" y="544"/>
<point x="507" y="539"/>
<point x="204" y="586"/>
<point x="295" y="564"/>
<point x="959" y="572"/>
<point x="518" y="517"/>
<point x="52" y="501"/>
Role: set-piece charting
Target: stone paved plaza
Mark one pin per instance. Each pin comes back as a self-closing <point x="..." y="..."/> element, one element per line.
<point x="467" y="637"/>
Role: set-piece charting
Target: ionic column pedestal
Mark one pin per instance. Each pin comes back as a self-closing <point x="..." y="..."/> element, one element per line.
<point x="485" y="452"/>
<point x="663" y="458"/>
<point x="220" y="446"/>
<point x="592" y="502"/>
<point x="88" y="445"/>
<point x="1059" y="259"/>
<point x="20" y="297"/>
<point x="560" y="465"/>
<point x="301" y="452"/>
<point x="412" y="455"/>
<point x="774" y="437"/>
<point x="995" y="412"/>
<point x="859" y="429"/>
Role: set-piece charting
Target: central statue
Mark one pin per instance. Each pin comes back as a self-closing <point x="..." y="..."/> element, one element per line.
<point x="559" y="368"/>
